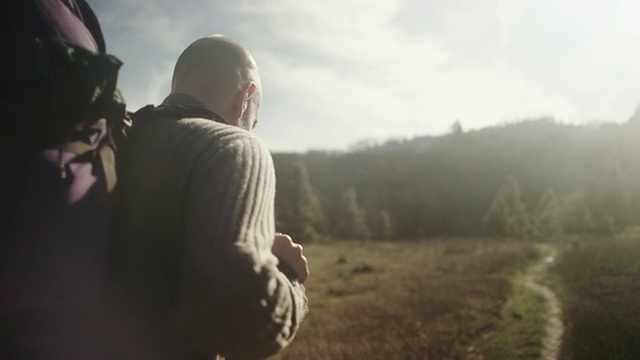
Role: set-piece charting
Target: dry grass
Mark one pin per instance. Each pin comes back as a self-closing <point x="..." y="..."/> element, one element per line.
<point x="427" y="300"/>
<point x="599" y="283"/>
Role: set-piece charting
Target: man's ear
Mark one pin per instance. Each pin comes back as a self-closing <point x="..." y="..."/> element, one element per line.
<point x="243" y="100"/>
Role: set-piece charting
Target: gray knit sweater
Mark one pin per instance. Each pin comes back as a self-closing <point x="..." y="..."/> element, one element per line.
<point x="192" y="254"/>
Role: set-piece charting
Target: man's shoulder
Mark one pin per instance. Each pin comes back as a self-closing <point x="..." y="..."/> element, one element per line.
<point x="181" y="126"/>
<point x="198" y="134"/>
<point x="222" y="133"/>
<point x="225" y="142"/>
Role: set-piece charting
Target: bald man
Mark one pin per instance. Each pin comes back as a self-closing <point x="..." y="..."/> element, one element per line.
<point x="195" y="261"/>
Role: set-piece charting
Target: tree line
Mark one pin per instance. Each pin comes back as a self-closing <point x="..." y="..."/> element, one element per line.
<point x="531" y="179"/>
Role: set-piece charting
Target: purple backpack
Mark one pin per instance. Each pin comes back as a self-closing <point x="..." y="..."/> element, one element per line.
<point x="61" y="119"/>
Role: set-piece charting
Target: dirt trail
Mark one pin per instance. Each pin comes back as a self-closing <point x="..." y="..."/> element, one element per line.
<point x="554" y="328"/>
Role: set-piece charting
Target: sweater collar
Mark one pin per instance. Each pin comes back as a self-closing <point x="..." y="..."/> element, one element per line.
<point x="183" y="100"/>
<point x="192" y="104"/>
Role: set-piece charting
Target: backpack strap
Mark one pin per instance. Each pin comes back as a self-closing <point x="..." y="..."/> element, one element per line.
<point x="118" y="124"/>
<point x="108" y="160"/>
<point x="151" y="113"/>
<point x="105" y="150"/>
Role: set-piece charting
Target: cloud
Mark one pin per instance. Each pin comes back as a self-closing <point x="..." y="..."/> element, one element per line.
<point x="393" y="72"/>
<point x="159" y="83"/>
<point x="580" y="50"/>
<point x="338" y="71"/>
<point x="147" y="23"/>
<point x="365" y="71"/>
<point x="149" y="87"/>
<point x="377" y="81"/>
<point x="508" y="12"/>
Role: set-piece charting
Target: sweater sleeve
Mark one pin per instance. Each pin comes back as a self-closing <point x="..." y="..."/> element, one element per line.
<point x="232" y="298"/>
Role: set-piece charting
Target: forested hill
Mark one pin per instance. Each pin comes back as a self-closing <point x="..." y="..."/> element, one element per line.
<point x="529" y="131"/>
<point x="528" y="179"/>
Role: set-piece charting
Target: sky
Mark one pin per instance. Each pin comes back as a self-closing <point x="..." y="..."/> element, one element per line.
<point x="339" y="72"/>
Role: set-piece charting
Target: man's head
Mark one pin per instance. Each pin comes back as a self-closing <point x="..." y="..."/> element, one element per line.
<point x="223" y="76"/>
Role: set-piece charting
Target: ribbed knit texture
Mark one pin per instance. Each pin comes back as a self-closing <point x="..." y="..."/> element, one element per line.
<point x="194" y="239"/>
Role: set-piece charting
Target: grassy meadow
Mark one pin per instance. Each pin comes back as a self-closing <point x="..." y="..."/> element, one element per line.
<point x="437" y="299"/>
<point x="598" y="281"/>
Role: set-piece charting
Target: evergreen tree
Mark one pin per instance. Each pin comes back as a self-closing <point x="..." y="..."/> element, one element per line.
<point x="456" y="128"/>
<point x="507" y="215"/>
<point x="608" y="202"/>
<point x="351" y="221"/>
<point x="381" y="226"/>
<point x="305" y="220"/>
<point x="575" y="216"/>
<point x="546" y="215"/>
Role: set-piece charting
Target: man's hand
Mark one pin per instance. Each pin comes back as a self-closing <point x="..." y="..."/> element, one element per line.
<point x="290" y="254"/>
